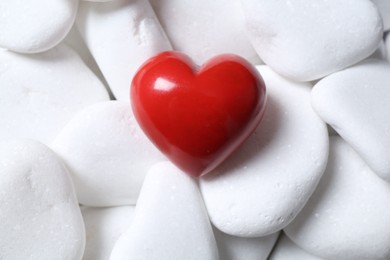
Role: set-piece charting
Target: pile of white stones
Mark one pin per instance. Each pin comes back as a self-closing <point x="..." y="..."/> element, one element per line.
<point x="79" y="180"/>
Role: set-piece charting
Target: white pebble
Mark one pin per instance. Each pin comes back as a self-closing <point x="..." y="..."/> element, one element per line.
<point x="203" y="29"/>
<point x="348" y="216"/>
<point x="40" y="93"/>
<point x="121" y="36"/>
<point x="285" y="249"/>
<point x="240" y="248"/>
<point x="306" y="40"/>
<point x="356" y="103"/>
<point x="266" y="182"/>
<point x="34" y="26"/>
<point x="39" y="214"/>
<point x="103" y="227"/>
<point x="171" y="221"/>
<point x="107" y="154"/>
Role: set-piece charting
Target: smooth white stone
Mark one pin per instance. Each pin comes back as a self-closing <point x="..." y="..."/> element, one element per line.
<point x="266" y="182"/>
<point x="39" y="214"/>
<point x="239" y="248"/>
<point x="384" y="9"/>
<point x="103" y="227"/>
<point x="107" y="154"/>
<point x="121" y="36"/>
<point x="35" y="26"/>
<point x="348" y="215"/>
<point x="306" y="40"/>
<point x="285" y="249"/>
<point x="40" y="93"/>
<point x="203" y="29"/>
<point x="356" y="102"/>
<point x="170" y="222"/>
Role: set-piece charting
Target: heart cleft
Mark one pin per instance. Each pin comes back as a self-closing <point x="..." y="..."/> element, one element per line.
<point x="197" y="116"/>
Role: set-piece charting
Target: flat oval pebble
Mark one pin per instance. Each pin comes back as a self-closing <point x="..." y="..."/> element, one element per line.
<point x="103" y="227"/>
<point x="266" y="182"/>
<point x="121" y="35"/>
<point x="356" y="103"/>
<point x="170" y="222"/>
<point x="107" y="154"/>
<point x="40" y="93"/>
<point x="304" y="41"/>
<point x="203" y="29"/>
<point x="348" y="216"/>
<point x="248" y="248"/>
<point x="35" y="26"/>
<point x="285" y="249"/>
<point x="39" y="214"/>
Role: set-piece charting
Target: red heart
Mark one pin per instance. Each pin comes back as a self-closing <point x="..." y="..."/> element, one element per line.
<point x="197" y="117"/>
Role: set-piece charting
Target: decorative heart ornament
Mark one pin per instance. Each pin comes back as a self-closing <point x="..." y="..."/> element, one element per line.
<point x="197" y="116"/>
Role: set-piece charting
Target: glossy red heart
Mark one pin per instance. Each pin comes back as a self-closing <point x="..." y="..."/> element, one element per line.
<point x="197" y="116"/>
